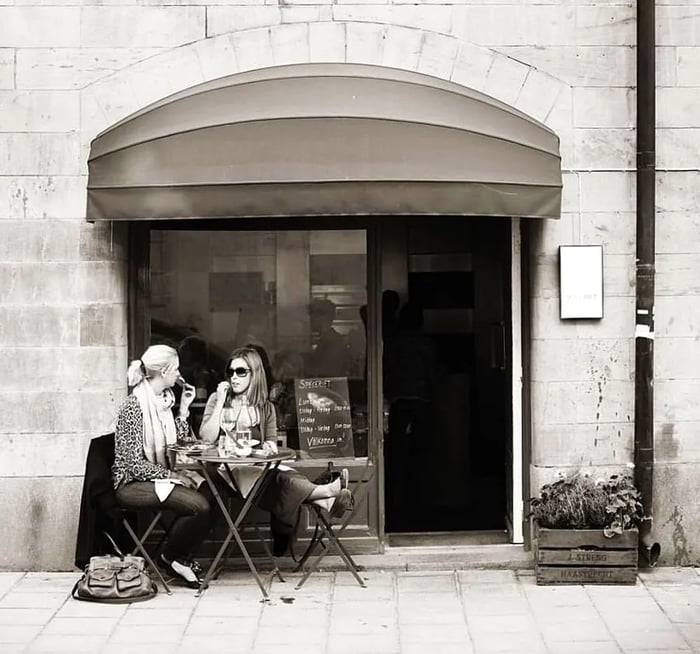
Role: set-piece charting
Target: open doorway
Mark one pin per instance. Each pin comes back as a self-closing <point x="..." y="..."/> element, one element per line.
<point x="447" y="374"/>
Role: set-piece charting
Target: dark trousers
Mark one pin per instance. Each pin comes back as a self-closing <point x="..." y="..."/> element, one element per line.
<point x="190" y="507"/>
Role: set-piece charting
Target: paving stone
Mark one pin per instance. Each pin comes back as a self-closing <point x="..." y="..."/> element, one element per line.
<point x="596" y="647"/>
<point x="146" y="635"/>
<point x="18" y="633"/>
<point x="159" y="616"/>
<point x="655" y="641"/>
<point x="80" y="626"/>
<point x="17" y="600"/>
<point x="67" y="643"/>
<point x="25" y="616"/>
<point x="426" y="584"/>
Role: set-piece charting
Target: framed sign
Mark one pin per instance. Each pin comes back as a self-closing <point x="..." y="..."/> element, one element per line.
<point x="580" y="281"/>
<point x="323" y="417"/>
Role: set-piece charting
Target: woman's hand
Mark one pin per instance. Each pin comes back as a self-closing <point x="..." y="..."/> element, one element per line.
<point x="186" y="481"/>
<point x="187" y="397"/>
<point x="222" y="391"/>
<point x="270" y="447"/>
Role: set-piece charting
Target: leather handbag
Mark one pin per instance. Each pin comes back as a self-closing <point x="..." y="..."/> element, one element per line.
<point x="115" y="580"/>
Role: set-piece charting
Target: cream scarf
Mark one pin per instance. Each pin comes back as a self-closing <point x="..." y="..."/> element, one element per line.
<point x="158" y="422"/>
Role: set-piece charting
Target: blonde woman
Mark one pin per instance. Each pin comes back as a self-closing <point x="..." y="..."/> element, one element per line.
<point x="245" y="392"/>
<point x="141" y="471"/>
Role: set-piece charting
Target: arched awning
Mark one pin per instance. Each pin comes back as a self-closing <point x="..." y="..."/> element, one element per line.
<point x="324" y="139"/>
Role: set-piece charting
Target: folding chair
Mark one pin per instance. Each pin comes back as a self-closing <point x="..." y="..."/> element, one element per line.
<point x="101" y="516"/>
<point x="326" y="527"/>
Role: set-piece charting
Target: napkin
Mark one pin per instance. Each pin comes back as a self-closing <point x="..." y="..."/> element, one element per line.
<point x="164" y="487"/>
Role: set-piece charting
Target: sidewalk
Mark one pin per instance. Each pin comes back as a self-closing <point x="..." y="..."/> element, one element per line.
<point x="434" y="612"/>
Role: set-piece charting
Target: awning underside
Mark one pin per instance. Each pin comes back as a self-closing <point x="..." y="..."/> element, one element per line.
<point x="324" y="140"/>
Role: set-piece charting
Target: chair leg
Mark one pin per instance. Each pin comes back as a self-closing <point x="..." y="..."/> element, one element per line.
<point x="149" y="560"/>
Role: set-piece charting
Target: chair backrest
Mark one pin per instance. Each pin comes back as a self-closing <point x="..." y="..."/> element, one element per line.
<point x="98" y="504"/>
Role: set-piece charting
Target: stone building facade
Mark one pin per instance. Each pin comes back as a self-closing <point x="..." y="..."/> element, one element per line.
<point x="70" y="70"/>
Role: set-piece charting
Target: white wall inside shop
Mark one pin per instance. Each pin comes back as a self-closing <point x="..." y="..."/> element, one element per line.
<point x="67" y="72"/>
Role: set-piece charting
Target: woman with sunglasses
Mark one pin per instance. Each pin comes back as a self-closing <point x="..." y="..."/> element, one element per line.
<point x="245" y="391"/>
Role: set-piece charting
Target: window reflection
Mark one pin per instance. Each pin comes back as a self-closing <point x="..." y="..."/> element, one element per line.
<point x="298" y="297"/>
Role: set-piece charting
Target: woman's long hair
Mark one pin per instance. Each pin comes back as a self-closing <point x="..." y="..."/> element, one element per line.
<point x="257" y="389"/>
<point x="156" y="359"/>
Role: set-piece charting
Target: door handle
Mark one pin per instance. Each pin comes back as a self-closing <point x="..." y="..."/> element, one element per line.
<point x="498" y="346"/>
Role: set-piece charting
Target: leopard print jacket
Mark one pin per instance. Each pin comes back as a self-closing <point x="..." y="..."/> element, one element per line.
<point x="130" y="462"/>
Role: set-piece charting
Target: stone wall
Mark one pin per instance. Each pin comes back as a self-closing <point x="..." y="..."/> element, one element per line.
<point x="69" y="71"/>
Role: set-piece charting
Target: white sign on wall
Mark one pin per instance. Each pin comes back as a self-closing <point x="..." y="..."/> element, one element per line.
<point x="580" y="281"/>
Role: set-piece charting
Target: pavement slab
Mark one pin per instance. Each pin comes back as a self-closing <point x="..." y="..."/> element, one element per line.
<point x="399" y="612"/>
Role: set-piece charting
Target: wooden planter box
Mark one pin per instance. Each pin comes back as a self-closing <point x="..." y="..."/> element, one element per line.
<point x="585" y="556"/>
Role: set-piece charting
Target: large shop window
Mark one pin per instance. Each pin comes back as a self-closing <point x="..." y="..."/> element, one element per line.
<point x="299" y="297"/>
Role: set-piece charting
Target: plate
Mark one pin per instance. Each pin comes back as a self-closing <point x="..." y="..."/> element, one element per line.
<point x="192" y="448"/>
<point x="262" y="454"/>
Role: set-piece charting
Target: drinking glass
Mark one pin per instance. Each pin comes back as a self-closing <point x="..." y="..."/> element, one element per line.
<point x="228" y="424"/>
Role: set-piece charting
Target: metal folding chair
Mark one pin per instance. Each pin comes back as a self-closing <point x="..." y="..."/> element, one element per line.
<point x="326" y="529"/>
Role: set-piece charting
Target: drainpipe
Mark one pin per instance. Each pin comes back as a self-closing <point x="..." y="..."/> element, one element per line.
<point x="644" y="331"/>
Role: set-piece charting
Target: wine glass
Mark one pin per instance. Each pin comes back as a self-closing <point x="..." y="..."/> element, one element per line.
<point x="228" y="424"/>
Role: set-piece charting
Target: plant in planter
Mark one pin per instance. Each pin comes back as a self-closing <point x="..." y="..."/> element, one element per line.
<point x="586" y="531"/>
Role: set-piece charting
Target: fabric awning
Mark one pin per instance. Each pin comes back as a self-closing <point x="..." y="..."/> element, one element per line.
<point x="324" y="139"/>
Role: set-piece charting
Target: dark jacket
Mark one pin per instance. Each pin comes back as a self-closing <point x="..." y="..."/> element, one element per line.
<point x="99" y="511"/>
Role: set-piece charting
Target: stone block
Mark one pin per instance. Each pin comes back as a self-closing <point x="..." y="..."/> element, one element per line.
<point x="73" y="68"/>
<point x="290" y="44"/>
<point x="307" y="14"/>
<point x="505" y="79"/>
<point x="253" y="49"/>
<point x="40" y="111"/>
<point x="605" y="149"/>
<point x="221" y="20"/>
<point x="618" y="321"/>
<point x="677" y="400"/>
<point x="39" y="197"/>
<point x="103" y="241"/>
<point x="580" y="359"/>
<point x="607" y="191"/>
<point x="584" y="445"/>
<point x="43" y="455"/>
<point x="80" y="368"/>
<point x="596" y="107"/>
<point x="676" y="358"/>
<point x="677" y="513"/>
<point x="606" y="25"/>
<point x="429" y="18"/>
<point x="40" y="27"/>
<point x="472" y="66"/>
<point x="547" y="236"/>
<point x="570" y="193"/>
<point x="677" y="315"/>
<point x="327" y="42"/>
<point x="7" y="68"/>
<point x="163" y="75"/>
<point x="677" y="107"/>
<point x="38" y="283"/>
<point x="128" y="27"/>
<point x="102" y="282"/>
<point x="677" y="148"/>
<point x="437" y="55"/>
<point x="43" y="326"/>
<point x="115" y="98"/>
<point x="538" y="95"/>
<point x="216" y="57"/>
<point x="103" y="324"/>
<point x="687" y="72"/>
<point x="609" y="66"/>
<point x="677" y="25"/>
<point x="674" y="440"/>
<point x="39" y="240"/>
<point x="51" y="412"/>
<point x="677" y="274"/>
<point x="39" y="154"/>
<point x="546" y="25"/>
<point x="365" y="42"/>
<point x="677" y="231"/>
<point x="582" y="402"/>
<point x="678" y="190"/>
<point x="615" y="231"/>
<point x="667" y="66"/>
<point x="43" y="513"/>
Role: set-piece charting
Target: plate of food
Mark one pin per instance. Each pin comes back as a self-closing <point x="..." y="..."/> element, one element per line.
<point x="246" y="442"/>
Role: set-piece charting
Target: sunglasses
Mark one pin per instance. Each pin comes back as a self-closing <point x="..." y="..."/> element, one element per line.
<point x="238" y="372"/>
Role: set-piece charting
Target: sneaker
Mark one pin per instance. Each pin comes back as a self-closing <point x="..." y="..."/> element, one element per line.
<point x="342" y="504"/>
<point x="184" y="570"/>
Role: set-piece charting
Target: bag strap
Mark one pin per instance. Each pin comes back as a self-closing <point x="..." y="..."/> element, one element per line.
<point x="115" y="547"/>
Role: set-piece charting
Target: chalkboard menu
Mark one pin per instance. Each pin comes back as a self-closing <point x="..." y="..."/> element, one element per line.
<point x="323" y="417"/>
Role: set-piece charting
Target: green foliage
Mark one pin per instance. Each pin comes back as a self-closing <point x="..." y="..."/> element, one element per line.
<point x="577" y="502"/>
